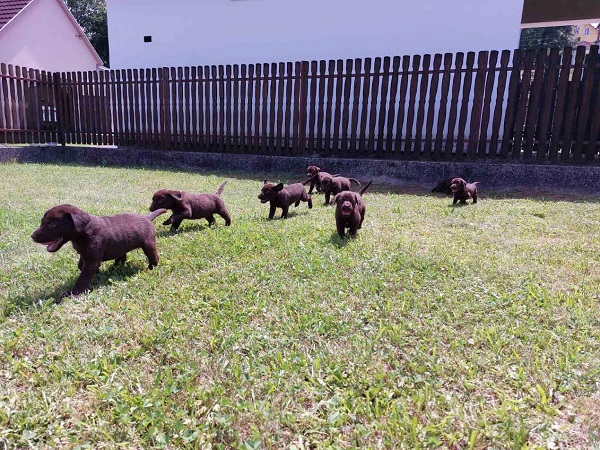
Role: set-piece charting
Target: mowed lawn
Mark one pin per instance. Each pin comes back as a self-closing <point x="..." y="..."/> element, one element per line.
<point x="437" y="327"/>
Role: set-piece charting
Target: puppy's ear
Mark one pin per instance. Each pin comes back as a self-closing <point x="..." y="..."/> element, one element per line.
<point x="176" y="195"/>
<point x="265" y="182"/>
<point x="278" y="187"/>
<point x="335" y="199"/>
<point x="80" y="220"/>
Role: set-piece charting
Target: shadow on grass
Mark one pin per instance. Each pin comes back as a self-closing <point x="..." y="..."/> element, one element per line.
<point x="338" y="241"/>
<point x="113" y="273"/>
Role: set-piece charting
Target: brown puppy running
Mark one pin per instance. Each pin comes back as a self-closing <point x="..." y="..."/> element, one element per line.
<point x="335" y="185"/>
<point x="463" y="191"/>
<point x="97" y="238"/>
<point x="311" y="171"/>
<point x="190" y="206"/>
<point x="283" y="197"/>
<point x="443" y="186"/>
<point x="350" y="211"/>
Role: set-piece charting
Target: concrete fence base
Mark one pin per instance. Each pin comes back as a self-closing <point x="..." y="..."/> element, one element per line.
<point x="492" y="175"/>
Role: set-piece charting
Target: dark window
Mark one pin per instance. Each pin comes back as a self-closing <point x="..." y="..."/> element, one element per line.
<point x="147" y="38"/>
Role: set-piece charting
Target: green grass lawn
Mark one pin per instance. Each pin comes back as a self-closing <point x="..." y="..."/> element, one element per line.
<point x="437" y="327"/>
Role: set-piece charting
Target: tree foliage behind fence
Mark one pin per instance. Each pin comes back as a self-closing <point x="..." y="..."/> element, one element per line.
<point x="539" y="106"/>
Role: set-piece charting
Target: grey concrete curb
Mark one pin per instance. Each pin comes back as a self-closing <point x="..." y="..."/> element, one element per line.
<point x="492" y="175"/>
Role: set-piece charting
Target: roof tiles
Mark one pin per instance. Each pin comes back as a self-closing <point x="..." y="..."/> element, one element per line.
<point x="10" y="8"/>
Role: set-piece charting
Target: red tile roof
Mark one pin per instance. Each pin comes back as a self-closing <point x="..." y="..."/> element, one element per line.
<point x="10" y="8"/>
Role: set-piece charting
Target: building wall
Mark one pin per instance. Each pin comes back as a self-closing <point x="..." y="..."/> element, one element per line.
<point x="198" y="32"/>
<point x="43" y="37"/>
<point x="592" y="32"/>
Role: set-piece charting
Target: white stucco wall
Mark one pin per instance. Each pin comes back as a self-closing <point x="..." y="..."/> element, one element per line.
<point x="198" y="32"/>
<point x="43" y="37"/>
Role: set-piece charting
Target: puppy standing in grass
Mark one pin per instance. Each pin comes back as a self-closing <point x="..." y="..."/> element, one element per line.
<point x="350" y="211"/>
<point x="282" y="197"/>
<point x="97" y="239"/>
<point x="190" y="206"/>
<point x="334" y="185"/>
<point x="463" y="191"/>
<point x="311" y="171"/>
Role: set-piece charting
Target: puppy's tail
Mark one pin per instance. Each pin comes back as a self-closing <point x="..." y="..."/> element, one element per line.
<point x="305" y="182"/>
<point x="220" y="190"/>
<point x="154" y="214"/>
<point x="362" y="191"/>
<point x="355" y="180"/>
<point x="476" y="182"/>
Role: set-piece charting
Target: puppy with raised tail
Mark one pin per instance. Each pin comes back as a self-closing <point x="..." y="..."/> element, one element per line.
<point x="97" y="238"/>
<point x="191" y="206"/>
<point x="463" y="191"/>
<point x="280" y="196"/>
<point x="334" y="185"/>
<point x="350" y="211"/>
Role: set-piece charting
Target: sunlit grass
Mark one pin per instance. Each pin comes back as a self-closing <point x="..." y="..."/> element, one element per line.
<point x="437" y="327"/>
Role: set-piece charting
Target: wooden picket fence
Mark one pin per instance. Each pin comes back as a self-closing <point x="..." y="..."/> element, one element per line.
<point x="540" y="106"/>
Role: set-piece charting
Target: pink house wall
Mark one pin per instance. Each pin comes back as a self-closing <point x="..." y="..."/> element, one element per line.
<point x="43" y="37"/>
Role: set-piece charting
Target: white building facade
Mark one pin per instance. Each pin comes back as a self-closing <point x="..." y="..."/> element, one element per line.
<point x="159" y="33"/>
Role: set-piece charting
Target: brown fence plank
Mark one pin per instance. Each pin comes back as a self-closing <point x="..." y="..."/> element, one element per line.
<point x="490" y="81"/>
<point x="477" y="105"/>
<point x="399" y="149"/>
<point x="181" y="131"/>
<point x="364" y="111"/>
<point x="201" y="108"/>
<point x="572" y="104"/>
<point x="106" y="107"/>
<point x="132" y="108"/>
<point x="296" y="120"/>
<point x="118" y="101"/>
<point x="593" y="144"/>
<point x="26" y="113"/>
<point x="221" y="106"/>
<point x="354" y="130"/>
<point x="410" y="116"/>
<point x="499" y="106"/>
<point x="348" y="77"/>
<point x="321" y="105"/>
<point x="208" y="133"/>
<point x="144" y="120"/>
<point x="21" y="104"/>
<point x="256" y="133"/>
<point x="288" y="107"/>
<point x="383" y="107"/>
<point x="303" y="111"/>
<point x="264" y="146"/>
<point x="388" y="149"/>
<point x="273" y="109"/>
<point x="13" y="107"/>
<point x="525" y="92"/>
<point x="112" y="89"/>
<point x="441" y="122"/>
<point x="464" y="107"/>
<point x="424" y="85"/>
<point x="187" y="105"/>
<point x="337" y="113"/>
<point x="329" y="106"/>
<point x="583" y="119"/>
<point x="98" y="109"/>
<point x="453" y="114"/>
<point x="235" y="128"/>
<point x="534" y="104"/>
<point x="512" y="103"/>
<point x="431" y="107"/>
<point x="374" y="100"/>
<point x="312" y="111"/>
<point x="3" y="105"/>
<point x="243" y="84"/>
<point x="30" y="111"/>
<point x="546" y="104"/>
<point x="250" y="111"/>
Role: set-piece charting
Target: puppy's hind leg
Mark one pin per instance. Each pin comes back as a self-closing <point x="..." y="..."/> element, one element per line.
<point x="225" y="215"/>
<point x="151" y="253"/>
<point x="211" y="220"/>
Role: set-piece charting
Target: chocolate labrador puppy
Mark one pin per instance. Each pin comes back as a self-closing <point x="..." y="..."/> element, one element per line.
<point x="350" y="211"/>
<point x="283" y="197"/>
<point x="334" y="185"/>
<point x="443" y="186"/>
<point x="190" y="206"/>
<point x="316" y="182"/>
<point x="97" y="238"/>
<point x="463" y="191"/>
